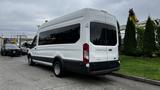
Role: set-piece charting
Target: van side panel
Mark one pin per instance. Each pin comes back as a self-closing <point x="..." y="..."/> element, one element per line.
<point x="71" y="54"/>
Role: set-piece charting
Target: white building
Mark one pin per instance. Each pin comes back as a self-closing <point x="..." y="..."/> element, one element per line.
<point x="140" y="24"/>
<point x="15" y="34"/>
<point x="143" y="23"/>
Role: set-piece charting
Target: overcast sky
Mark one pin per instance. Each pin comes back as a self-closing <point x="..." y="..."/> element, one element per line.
<point x="25" y="15"/>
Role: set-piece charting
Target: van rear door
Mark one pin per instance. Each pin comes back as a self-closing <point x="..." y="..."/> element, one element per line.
<point x="112" y="48"/>
<point x="98" y="49"/>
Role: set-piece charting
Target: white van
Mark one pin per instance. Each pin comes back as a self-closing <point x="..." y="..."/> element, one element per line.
<point x="85" y="41"/>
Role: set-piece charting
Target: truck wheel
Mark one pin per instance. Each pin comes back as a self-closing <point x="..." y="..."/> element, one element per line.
<point x="2" y="53"/>
<point x="58" y="69"/>
<point x="30" y="61"/>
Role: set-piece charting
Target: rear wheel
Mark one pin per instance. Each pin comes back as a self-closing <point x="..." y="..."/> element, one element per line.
<point x="30" y="61"/>
<point x="58" y="69"/>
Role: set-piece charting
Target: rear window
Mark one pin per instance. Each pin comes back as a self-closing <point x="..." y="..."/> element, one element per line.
<point x="103" y="34"/>
<point x="11" y="46"/>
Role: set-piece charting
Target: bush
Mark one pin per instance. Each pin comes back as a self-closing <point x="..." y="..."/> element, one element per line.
<point x="140" y="37"/>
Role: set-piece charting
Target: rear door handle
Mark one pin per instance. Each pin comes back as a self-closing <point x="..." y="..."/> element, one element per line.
<point x="109" y="49"/>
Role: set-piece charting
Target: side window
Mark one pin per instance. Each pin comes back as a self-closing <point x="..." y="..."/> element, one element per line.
<point x="34" y="42"/>
<point x="64" y="35"/>
<point x="119" y="34"/>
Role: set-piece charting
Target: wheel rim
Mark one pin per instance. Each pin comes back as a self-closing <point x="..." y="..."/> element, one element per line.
<point x="57" y="69"/>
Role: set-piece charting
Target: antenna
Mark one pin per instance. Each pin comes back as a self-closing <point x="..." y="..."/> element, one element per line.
<point x="46" y="21"/>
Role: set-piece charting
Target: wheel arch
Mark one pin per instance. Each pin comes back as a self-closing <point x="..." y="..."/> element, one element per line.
<point x="58" y="58"/>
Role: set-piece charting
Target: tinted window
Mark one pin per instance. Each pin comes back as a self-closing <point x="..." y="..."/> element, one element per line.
<point x="119" y="34"/>
<point x="34" y="42"/>
<point x="64" y="35"/>
<point x="103" y="34"/>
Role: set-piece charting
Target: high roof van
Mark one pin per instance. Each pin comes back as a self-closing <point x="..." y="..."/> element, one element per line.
<point x="85" y="41"/>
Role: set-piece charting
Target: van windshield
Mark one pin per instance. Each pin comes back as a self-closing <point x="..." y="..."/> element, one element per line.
<point x="103" y="34"/>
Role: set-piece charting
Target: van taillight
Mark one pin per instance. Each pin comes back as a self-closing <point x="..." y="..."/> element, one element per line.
<point x="85" y="53"/>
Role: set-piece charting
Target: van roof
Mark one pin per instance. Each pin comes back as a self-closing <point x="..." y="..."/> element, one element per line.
<point x="74" y="15"/>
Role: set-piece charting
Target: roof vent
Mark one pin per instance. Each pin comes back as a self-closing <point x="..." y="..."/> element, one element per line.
<point x="46" y="21"/>
<point x="104" y="11"/>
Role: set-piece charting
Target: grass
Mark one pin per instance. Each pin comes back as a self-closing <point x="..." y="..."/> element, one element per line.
<point x="142" y="67"/>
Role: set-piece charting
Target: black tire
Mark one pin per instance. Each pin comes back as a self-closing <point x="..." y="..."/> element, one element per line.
<point x="58" y="69"/>
<point x="3" y="53"/>
<point x="30" y="61"/>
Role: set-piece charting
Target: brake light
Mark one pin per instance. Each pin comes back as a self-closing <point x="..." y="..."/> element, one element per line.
<point x="85" y="53"/>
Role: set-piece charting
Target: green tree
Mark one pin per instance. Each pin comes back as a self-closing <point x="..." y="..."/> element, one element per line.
<point x="130" y="42"/>
<point x="140" y="37"/>
<point x="158" y="37"/>
<point x="149" y="38"/>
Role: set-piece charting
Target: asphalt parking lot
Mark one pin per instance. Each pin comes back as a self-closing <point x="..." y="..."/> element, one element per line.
<point x="15" y="74"/>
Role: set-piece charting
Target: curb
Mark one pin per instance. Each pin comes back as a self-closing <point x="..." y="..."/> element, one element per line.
<point x="149" y="81"/>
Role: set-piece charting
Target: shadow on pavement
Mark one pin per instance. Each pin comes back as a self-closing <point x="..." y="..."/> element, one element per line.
<point x="86" y="79"/>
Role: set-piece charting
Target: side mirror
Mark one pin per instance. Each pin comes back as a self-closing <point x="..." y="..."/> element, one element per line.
<point x="27" y="45"/>
<point x="30" y="46"/>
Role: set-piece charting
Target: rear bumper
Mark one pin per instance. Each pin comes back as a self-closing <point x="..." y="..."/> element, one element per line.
<point x="104" y="67"/>
<point x="13" y="52"/>
<point x="94" y="67"/>
<point x="100" y="72"/>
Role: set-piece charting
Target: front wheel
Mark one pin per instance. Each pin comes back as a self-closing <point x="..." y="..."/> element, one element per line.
<point x="58" y="69"/>
<point x="30" y="61"/>
<point x="3" y="53"/>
